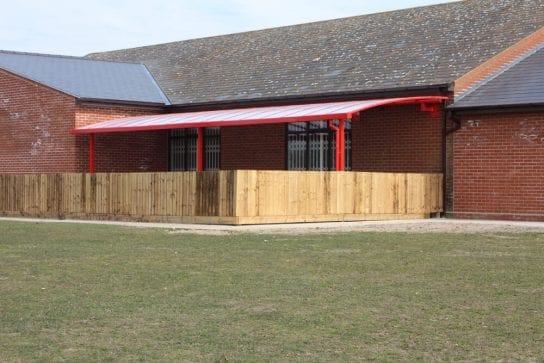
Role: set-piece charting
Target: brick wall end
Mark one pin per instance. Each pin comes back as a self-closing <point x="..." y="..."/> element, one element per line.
<point x="498" y="171"/>
<point x="35" y="121"/>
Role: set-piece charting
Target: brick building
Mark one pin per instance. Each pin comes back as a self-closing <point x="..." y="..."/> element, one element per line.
<point x="498" y="151"/>
<point x="449" y="51"/>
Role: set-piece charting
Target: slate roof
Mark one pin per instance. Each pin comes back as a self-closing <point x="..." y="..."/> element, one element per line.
<point x="520" y="84"/>
<point x="423" y="46"/>
<point x="85" y="78"/>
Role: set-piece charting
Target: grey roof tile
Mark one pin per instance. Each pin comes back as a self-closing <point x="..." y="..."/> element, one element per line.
<point x="522" y="83"/>
<point x="86" y="78"/>
<point x="414" y="47"/>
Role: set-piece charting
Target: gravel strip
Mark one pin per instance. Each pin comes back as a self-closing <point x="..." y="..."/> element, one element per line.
<point x="408" y="226"/>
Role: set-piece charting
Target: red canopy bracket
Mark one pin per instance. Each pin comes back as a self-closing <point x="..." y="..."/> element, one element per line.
<point x="432" y="108"/>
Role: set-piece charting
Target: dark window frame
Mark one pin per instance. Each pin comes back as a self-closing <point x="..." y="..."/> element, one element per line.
<point x="307" y="129"/>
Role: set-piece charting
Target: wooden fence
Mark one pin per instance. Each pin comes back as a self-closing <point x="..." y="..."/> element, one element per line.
<point x="223" y="197"/>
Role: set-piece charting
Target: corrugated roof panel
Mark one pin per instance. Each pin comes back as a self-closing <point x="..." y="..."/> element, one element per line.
<point x="85" y="78"/>
<point x="249" y="116"/>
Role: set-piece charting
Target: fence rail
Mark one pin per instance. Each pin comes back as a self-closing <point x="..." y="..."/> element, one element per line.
<point x="223" y="197"/>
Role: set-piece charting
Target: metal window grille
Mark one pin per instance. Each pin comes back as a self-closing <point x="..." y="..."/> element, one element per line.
<point x="212" y="148"/>
<point x="312" y="146"/>
<point x="318" y="145"/>
<point x="297" y="145"/>
<point x="183" y="148"/>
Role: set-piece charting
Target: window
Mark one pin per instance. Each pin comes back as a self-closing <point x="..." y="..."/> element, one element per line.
<point x="183" y="145"/>
<point x="312" y="146"/>
<point x="183" y="149"/>
<point x="212" y="148"/>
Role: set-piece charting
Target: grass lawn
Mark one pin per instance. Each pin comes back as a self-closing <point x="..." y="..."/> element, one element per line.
<point x="102" y="293"/>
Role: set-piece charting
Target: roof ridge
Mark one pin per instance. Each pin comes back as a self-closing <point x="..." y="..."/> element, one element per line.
<point x="154" y="81"/>
<point x="38" y="54"/>
<point x="449" y="3"/>
<point x="13" y="52"/>
<point x="501" y="71"/>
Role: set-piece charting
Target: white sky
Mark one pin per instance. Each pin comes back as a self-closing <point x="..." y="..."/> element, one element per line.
<point x="76" y="27"/>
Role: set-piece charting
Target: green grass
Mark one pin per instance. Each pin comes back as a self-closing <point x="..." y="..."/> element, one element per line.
<point x="102" y="293"/>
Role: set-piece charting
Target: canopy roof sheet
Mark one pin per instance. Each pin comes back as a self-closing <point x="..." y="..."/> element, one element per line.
<point x="249" y="116"/>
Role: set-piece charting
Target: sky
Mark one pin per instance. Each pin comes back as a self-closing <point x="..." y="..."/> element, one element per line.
<point x="75" y="27"/>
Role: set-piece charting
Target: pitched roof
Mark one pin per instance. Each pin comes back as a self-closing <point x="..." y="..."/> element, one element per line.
<point x="85" y="78"/>
<point x="414" y="47"/>
<point x="521" y="83"/>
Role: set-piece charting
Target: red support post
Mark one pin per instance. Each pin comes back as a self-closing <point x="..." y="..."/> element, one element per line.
<point x="341" y="147"/>
<point x="200" y="150"/>
<point x="339" y="133"/>
<point x="91" y="154"/>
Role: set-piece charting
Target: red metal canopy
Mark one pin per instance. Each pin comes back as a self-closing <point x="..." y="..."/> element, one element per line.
<point x="251" y="116"/>
<point x="340" y="111"/>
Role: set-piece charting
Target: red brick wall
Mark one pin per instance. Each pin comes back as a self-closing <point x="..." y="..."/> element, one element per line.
<point x="132" y="152"/>
<point x="123" y="152"/>
<point x="35" y="124"/>
<point x="499" y="167"/>
<point x="253" y="147"/>
<point x="397" y="139"/>
<point x="88" y="114"/>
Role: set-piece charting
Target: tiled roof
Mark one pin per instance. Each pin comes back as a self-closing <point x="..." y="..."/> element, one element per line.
<point x="424" y="46"/>
<point x="85" y="78"/>
<point x="521" y="83"/>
